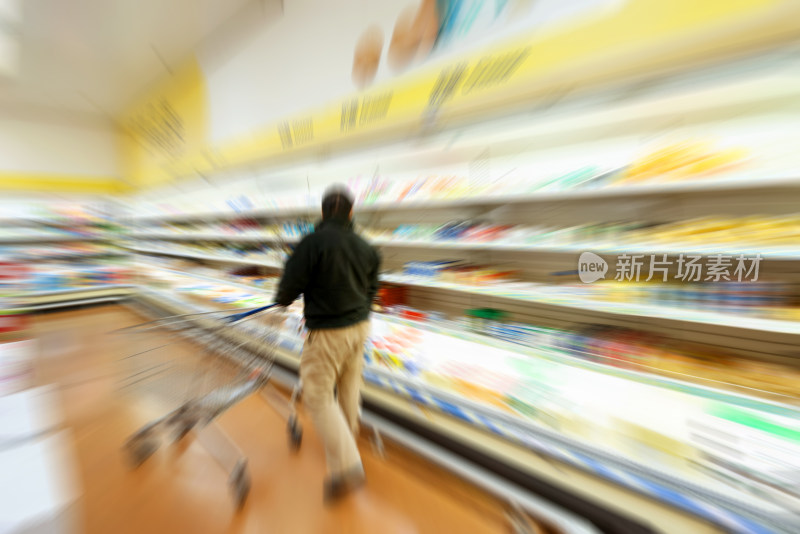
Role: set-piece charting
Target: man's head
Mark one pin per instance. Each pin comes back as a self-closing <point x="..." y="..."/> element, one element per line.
<point x="337" y="203"/>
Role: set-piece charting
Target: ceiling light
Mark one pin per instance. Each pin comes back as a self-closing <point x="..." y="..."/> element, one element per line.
<point x="9" y="55"/>
<point x="10" y="12"/>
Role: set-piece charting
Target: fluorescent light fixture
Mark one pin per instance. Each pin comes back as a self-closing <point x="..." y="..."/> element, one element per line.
<point x="10" y="18"/>
<point x="10" y="12"/>
<point x="9" y="55"/>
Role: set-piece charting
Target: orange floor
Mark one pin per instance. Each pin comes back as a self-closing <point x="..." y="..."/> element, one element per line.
<point x="182" y="490"/>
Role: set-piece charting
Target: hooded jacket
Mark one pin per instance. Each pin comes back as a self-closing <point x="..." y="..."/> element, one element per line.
<point x="336" y="271"/>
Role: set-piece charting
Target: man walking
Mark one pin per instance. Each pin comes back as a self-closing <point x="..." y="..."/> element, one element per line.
<point x="337" y="273"/>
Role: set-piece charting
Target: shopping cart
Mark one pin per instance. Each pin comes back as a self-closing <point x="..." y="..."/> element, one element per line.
<point x="198" y="388"/>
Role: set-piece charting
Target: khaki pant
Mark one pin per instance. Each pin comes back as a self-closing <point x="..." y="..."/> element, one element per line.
<point x="335" y="358"/>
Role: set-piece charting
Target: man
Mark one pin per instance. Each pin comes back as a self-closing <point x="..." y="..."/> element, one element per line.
<point x="337" y="273"/>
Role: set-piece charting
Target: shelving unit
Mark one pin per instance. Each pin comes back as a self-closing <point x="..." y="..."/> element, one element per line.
<point x="68" y="298"/>
<point x="533" y="295"/>
<point x="206" y="257"/>
<point x="6" y="240"/>
<point x="232" y="238"/>
<point x="613" y="308"/>
<point x="784" y="253"/>
<point x="727" y="508"/>
<point x="730" y="512"/>
<point x="59" y="279"/>
<point x="207" y="278"/>
<point x="741" y="185"/>
<point x="539" y="291"/>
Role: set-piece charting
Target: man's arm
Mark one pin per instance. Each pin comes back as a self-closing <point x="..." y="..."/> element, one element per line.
<point x="296" y="274"/>
<point x="373" y="277"/>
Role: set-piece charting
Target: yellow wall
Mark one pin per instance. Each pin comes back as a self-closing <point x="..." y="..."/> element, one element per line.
<point x="26" y="182"/>
<point x="166" y="129"/>
<point x="57" y="152"/>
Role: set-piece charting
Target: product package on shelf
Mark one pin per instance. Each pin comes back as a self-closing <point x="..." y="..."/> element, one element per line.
<point x="689" y="159"/>
<point x="16" y="365"/>
<point x="16" y="350"/>
<point x="645" y="353"/>
<point x="768" y="236"/>
<point x="749" y="298"/>
<point x="644" y="421"/>
<point x="47" y="252"/>
<point x="246" y="229"/>
<point x="14" y="277"/>
<point x="613" y="389"/>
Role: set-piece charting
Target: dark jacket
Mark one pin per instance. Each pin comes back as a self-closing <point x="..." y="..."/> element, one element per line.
<point x="337" y="273"/>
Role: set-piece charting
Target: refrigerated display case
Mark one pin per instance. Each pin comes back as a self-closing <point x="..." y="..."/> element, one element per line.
<point x="648" y="431"/>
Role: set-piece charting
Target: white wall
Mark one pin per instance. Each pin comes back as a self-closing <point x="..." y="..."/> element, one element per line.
<point x="57" y="144"/>
<point x="303" y="58"/>
<point x="301" y="61"/>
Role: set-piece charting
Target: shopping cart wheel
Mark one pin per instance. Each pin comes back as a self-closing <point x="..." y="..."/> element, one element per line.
<point x="182" y="421"/>
<point x="520" y="523"/>
<point x="140" y="449"/>
<point x="240" y="483"/>
<point x="295" y="433"/>
<point x="181" y="429"/>
<point x="377" y="443"/>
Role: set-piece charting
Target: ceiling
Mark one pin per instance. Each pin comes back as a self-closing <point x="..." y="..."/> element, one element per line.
<point x="93" y="57"/>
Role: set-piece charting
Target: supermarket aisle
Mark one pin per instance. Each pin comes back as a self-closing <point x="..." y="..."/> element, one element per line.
<point x="181" y="489"/>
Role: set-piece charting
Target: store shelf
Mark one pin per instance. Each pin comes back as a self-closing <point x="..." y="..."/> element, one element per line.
<point x="600" y="248"/>
<point x="742" y="184"/>
<point x="730" y="509"/>
<point x="732" y="393"/>
<point x="624" y="309"/>
<point x="72" y="303"/>
<point x="734" y="514"/>
<point x="588" y="193"/>
<point x="711" y="389"/>
<point x="4" y="240"/>
<point x="192" y="255"/>
<point x="232" y="238"/>
<point x="43" y="300"/>
<point x="272" y="213"/>
<point x="157" y="302"/>
<point x="54" y="221"/>
<point x="74" y="290"/>
<point x="74" y="257"/>
<point x="220" y="281"/>
<point x="745" y="397"/>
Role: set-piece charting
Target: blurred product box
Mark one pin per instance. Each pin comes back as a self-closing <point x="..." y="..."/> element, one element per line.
<point x="40" y="487"/>
<point x="16" y="368"/>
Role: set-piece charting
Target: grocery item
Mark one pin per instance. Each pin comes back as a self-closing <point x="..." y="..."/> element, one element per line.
<point x="684" y="160"/>
<point x="482" y="320"/>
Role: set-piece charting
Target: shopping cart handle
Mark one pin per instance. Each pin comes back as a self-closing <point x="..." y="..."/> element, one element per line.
<point x="239" y="316"/>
